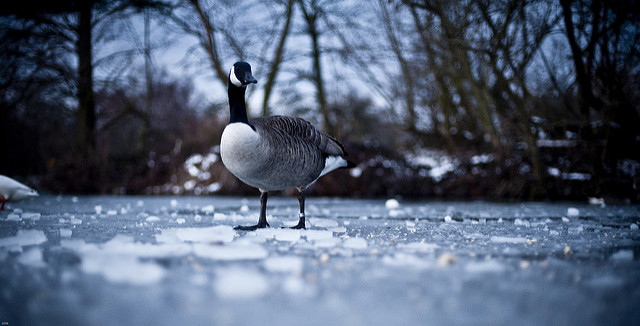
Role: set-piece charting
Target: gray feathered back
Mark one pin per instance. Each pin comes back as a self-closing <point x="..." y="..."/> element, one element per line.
<point x="297" y="132"/>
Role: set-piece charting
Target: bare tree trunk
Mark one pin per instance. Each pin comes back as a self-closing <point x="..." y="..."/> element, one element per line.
<point x="148" y="74"/>
<point x="208" y="42"/>
<point x="86" y="116"/>
<point x="407" y="73"/>
<point x="312" y="29"/>
<point x="275" y="65"/>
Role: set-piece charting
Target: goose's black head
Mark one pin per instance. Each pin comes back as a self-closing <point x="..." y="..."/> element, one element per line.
<point x="240" y="75"/>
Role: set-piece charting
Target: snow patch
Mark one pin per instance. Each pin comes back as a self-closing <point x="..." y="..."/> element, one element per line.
<point x="392" y="204"/>
<point x="572" y="212"/>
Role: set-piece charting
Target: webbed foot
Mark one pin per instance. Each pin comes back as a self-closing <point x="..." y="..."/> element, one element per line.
<point x="252" y="227"/>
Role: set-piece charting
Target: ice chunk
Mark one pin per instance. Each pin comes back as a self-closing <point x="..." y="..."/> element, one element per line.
<point x="124" y="245"/>
<point x="419" y="247"/>
<point x="31" y="216"/>
<point x="180" y="220"/>
<point x="355" y="243"/>
<point x="246" y="251"/>
<point x="112" y="212"/>
<point x="623" y="255"/>
<point x="98" y="209"/>
<point x="240" y="284"/>
<point x="337" y="229"/>
<point x="173" y="203"/>
<point x="576" y="230"/>
<point x="446" y="259"/>
<point x="209" y="209"/>
<point x="24" y="238"/>
<point x="65" y="233"/>
<point x="152" y="219"/>
<point x="501" y="239"/>
<point x="448" y="219"/>
<point x="606" y="281"/>
<point x="633" y="226"/>
<point x="487" y="266"/>
<point x="244" y="208"/>
<point x="406" y="260"/>
<point x="14" y="217"/>
<point x="32" y="257"/>
<point x="312" y="235"/>
<point x="280" y="234"/>
<point x="219" y="217"/>
<point x="220" y="233"/>
<point x="326" y="243"/>
<point x="122" y="269"/>
<point x="296" y="286"/>
<point x="572" y="212"/>
<point x="285" y="264"/>
<point x="323" y="222"/>
<point x="565" y="219"/>
<point x="392" y="204"/>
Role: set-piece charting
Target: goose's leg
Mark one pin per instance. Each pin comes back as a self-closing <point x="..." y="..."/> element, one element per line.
<point x="301" y="222"/>
<point x="262" y="220"/>
<point x="3" y="201"/>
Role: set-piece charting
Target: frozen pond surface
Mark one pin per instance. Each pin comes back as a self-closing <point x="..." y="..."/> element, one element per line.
<point x="177" y="261"/>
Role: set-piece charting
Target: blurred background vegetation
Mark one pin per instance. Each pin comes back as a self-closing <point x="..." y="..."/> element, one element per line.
<point x="508" y="99"/>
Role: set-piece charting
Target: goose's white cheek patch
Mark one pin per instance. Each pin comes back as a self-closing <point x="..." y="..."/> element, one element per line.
<point x="234" y="79"/>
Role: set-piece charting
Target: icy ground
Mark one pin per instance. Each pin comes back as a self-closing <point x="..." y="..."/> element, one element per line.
<point x="177" y="261"/>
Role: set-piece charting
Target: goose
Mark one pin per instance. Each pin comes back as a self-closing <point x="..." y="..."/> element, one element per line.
<point x="13" y="190"/>
<point x="276" y="152"/>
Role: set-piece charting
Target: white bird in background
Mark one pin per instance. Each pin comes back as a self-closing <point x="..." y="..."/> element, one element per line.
<point x="12" y="190"/>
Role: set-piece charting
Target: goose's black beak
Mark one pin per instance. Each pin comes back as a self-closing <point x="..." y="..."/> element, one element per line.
<point x="248" y="79"/>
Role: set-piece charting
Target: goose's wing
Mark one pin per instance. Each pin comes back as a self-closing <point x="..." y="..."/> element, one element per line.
<point x="298" y="132"/>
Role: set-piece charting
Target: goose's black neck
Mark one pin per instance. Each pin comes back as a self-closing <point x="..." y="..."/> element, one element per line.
<point x="237" y="106"/>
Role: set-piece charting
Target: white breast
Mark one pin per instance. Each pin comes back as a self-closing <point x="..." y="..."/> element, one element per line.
<point x="240" y="149"/>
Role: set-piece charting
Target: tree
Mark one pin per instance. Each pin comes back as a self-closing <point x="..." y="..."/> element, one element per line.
<point x="604" y="40"/>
